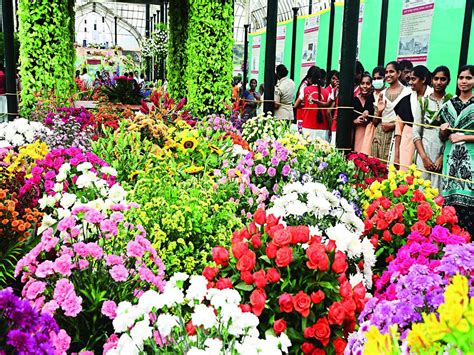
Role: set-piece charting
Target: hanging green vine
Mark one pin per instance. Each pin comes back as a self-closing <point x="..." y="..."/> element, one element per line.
<point x="209" y="55"/>
<point x="177" y="61"/>
<point x="46" y="51"/>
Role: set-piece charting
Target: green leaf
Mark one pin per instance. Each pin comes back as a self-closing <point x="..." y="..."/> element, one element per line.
<point x="244" y="287"/>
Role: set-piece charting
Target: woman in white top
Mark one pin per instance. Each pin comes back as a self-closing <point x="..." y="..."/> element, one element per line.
<point x="383" y="143"/>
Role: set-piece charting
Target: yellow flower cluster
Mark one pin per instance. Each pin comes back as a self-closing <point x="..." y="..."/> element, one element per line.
<point x="26" y="158"/>
<point x="455" y="322"/>
<point x="149" y="127"/>
<point x="383" y="344"/>
<point x="396" y="178"/>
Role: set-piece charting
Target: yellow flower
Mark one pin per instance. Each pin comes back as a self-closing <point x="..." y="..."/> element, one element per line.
<point x="215" y="149"/>
<point x="417" y="174"/>
<point x="194" y="169"/>
<point x="189" y="143"/>
<point x="393" y="186"/>
<point x="391" y="175"/>
<point x="378" y="343"/>
<point x="391" y="168"/>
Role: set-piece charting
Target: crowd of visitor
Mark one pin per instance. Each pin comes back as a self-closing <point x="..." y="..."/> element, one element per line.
<point x="402" y="114"/>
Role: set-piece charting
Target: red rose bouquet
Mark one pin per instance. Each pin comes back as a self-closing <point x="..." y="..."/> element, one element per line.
<point x="368" y="169"/>
<point x="292" y="282"/>
<point x="402" y="204"/>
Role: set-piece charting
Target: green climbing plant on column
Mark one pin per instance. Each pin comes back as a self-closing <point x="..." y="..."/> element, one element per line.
<point x="46" y="51"/>
<point x="209" y="55"/>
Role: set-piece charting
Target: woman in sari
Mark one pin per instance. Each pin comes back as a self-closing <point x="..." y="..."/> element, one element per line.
<point x="383" y="142"/>
<point x="458" y="162"/>
<point x="429" y="146"/>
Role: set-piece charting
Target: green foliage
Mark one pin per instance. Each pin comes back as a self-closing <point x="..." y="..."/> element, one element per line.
<point x="46" y="50"/>
<point x="184" y="219"/>
<point x="16" y="45"/>
<point x="209" y="55"/>
<point x="178" y="34"/>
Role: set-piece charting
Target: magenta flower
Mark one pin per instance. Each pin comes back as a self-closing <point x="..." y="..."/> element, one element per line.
<point x="119" y="273"/>
<point x="109" y="309"/>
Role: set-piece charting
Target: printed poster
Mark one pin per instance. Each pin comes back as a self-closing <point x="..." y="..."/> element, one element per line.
<point x="310" y="44"/>
<point x="415" y="30"/>
<point x="255" y="57"/>
<point x="280" y="45"/>
<point x="359" y="32"/>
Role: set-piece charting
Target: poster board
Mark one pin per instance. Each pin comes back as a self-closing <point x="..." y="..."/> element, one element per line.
<point x="415" y="30"/>
<point x="254" y="69"/>
<point x="280" y="45"/>
<point x="310" y="44"/>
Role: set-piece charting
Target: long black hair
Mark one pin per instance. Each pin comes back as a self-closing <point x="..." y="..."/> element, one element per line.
<point x="316" y="80"/>
<point x="306" y="78"/>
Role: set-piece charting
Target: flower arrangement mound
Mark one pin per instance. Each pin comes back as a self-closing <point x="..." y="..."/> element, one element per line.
<point x="89" y="258"/>
<point x="331" y="217"/>
<point x="24" y="331"/>
<point x="162" y="107"/>
<point x="20" y="132"/>
<point x="291" y="281"/>
<point x="189" y="318"/>
<point x="414" y="282"/>
<point x="450" y="331"/>
<point x="184" y="218"/>
<point x="402" y="204"/>
<point x="264" y="127"/>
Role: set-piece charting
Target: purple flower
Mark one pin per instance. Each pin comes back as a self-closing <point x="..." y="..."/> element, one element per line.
<point x="271" y="171"/>
<point x="260" y="170"/>
<point x="275" y="161"/>
<point x="322" y="166"/>
<point x="286" y="170"/>
<point x="343" y="178"/>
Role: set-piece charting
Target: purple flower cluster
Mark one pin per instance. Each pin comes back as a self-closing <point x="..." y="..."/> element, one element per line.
<point x="237" y="120"/>
<point x="28" y="331"/>
<point x="220" y="123"/>
<point x="63" y="115"/>
<point x="458" y="258"/>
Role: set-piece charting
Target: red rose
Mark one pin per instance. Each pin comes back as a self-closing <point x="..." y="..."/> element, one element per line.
<point x="220" y="255"/>
<point x="317" y="297"/>
<point x="308" y="332"/>
<point x="331" y="246"/>
<point x="340" y="264"/>
<point x="299" y="234"/>
<point x="239" y="249"/>
<point x="210" y="272"/>
<point x="449" y="214"/>
<point x="439" y="200"/>
<point x="223" y="283"/>
<point x="245" y="308"/>
<point x="418" y="196"/>
<point x="385" y="202"/>
<point x="339" y="345"/>
<point x="409" y="180"/>
<point x="271" y="222"/>
<point x="382" y="224"/>
<point x="247" y="277"/>
<point x="359" y="291"/>
<point x="399" y="208"/>
<point x="425" y="212"/>
<point x="317" y="257"/>
<point x="391" y="216"/>
<point x="403" y="189"/>
<point x="190" y="328"/>
<point x="236" y="238"/>
<point x="279" y="326"/>
<point x="336" y="313"/>
<point x="386" y="236"/>
<point x="422" y="228"/>
<point x="246" y="261"/>
<point x="273" y="275"/>
<point x="389" y="258"/>
<point x="349" y="308"/>
<point x="396" y="193"/>
<point x="282" y="238"/>
<point x="374" y="240"/>
<point x="322" y="332"/>
<point x="256" y="241"/>
<point x="252" y="228"/>
<point x="307" y="348"/>
<point x="257" y="300"/>
<point x="260" y="216"/>
<point x="272" y="230"/>
<point x="271" y="250"/>
<point x="398" y="229"/>
<point x="345" y="289"/>
<point x="284" y="256"/>
<point x="302" y="303"/>
<point x="440" y="220"/>
<point x="260" y="278"/>
<point x="286" y="303"/>
<point x="370" y="210"/>
<point x="318" y="351"/>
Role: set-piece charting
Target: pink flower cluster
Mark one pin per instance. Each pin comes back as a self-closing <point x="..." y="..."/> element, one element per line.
<point x="54" y="269"/>
<point x="46" y="170"/>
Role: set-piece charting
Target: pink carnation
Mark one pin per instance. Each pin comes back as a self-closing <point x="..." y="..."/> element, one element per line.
<point x="72" y="306"/>
<point x="64" y="288"/>
<point x="113" y="260"/>
<point x="50" y="307"/>
<point x="34" y="289"/>
<point x="63" y="265"/>
<point x="119" y="273"/>
<point x="83" y="264"/>
<point x="61" y="341"/>
<point x="44" y="269"/>
<point x="111" y="343"/>
<point x="109" y="309"/>
<point x="134" y="249"/>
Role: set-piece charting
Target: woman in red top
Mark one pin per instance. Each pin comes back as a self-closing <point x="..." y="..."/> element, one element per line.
<point x="315" y="122"/>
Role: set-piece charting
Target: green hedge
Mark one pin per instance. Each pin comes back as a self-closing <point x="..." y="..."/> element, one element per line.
<point x="46" y="50"/>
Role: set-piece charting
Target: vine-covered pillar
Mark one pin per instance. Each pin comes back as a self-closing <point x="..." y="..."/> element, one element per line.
<point x="209" y="54"/>
<point x="46" y="29"/>
<point x="178" y="34"/>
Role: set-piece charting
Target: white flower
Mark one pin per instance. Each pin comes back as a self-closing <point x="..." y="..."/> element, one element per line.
<point x="204" y="316"/>
<point x="141" y="331"/>
<point x="62" y="213"/>
<point x="126" y="346"/>
<point x="117" y="193"/>
<point x="172" y="296"/>
<point x="97" y="204"/>
<point x="83" y="167"/>
<point x="127" y="314"/>
<point x="341" y="235"/>
<point x="213" y="346"/>
<point x="178" y="276"/>
<point x="86" y="179"/>
<point x="196" y="351"/>
<point x="165" y="323"/>
<point x="149" y="300"/>
<point x="17" y="140"/>
<point x="58" y="187"/>
<point x="68" y="200"/>
<point x="29" y="136"/>
<point x="109" y="170"/>
<point x="197" y="289"/>
<point x="47" y="201"/>
<point x="355" y="279"/>
<point x="47" y="222"/>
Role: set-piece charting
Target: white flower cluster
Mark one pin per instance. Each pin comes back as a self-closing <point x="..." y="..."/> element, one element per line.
<point x="214" y="312"/>
<point x="264" y="127"/>
<point x="93" y="192"/>
<point x="328" y="216"/>
<point x="20" y="132"/>
<point x="156" y="45"/>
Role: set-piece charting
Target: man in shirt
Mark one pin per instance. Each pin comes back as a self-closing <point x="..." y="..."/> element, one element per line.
<point x="406" y="67"/>
<point x="284" y="93"/>
<point x="86" y="78"/>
